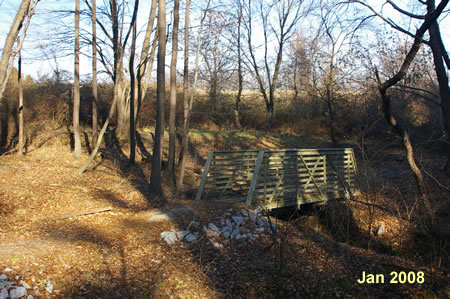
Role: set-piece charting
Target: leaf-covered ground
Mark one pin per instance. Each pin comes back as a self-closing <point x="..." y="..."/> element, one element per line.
<point x="116" y="250"/>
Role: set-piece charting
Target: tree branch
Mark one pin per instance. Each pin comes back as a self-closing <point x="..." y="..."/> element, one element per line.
<point x="429" y="20"/>
<point x="411" y="15"/>
<point x="388" y="21"/>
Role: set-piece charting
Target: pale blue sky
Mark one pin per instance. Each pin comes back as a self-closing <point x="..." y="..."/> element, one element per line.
<point x="37" y="65"/>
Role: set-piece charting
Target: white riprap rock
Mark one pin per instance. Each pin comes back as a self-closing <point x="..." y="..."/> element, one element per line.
<point x="4" y="293"/>
<point x="195" y="224"/>
<point x="217" y="244"/>
<point x="170" y="237"/>
<point x="189" y="238"/>
<point x="213" y="227"/>
<point x="235" y="232"/>
<point x="18" y="292"/>
<point x="212" y="233"/>
<point x="25" y="285"/>
<point x="252" y="215"/>
<point x="5" y="284"/>
<point x="238" y="220"/>
<point x="261" y="220"/>
<point x="380" y="230"/>
<point x="228" y="223"/>
<point x="48" y="286"/>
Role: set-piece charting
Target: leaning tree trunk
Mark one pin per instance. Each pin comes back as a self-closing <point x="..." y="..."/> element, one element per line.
<point x="112" y="110"/>
<point x="430" y="18"/>
<point x="406" y="141"/>
<point x="145" y="60"/>
<point x="8" y="53"/>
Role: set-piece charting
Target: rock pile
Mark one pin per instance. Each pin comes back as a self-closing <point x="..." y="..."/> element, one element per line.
<point x="244" y="225"/>
<point x="15" y="288"/>
<point x="173" y="236"/>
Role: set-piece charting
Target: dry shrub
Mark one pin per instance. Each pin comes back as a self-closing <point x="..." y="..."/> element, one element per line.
<point x="207" y="124"/>
<point x="304" y="127"/>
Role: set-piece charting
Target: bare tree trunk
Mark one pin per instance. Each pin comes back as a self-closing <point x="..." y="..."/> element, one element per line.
<point x="288" y="15"/>
<point x="213" y="93"/>
<point x="8" y="53"/>
<point x="19" y="79"/>
<point x="254" y="63"/>
<point x="438" y="50"/>
<point x="185" y="139"/>
<point x="145" y="60"/>
<point x="329" y="102"/>
<point x="409" y="150"/>
<point x="270" y="111"/>
<point x="123" y="110"/>
<point x="155" y="177"/>
<point x="94" y="75"/>
<point x="133" y="87"/>
<point x="119" y="43"/>
<point x="237" y="121"/>
<point x="112" y="110"/>
<point x="185" y="88"/>
<point x="430" y="18"/>
<point x="76" y="85"/>
<point x="123" y="116"/>
<point x="186" y="64"/>
<point x="148" y="71"/>
<point x="173" y="91"/>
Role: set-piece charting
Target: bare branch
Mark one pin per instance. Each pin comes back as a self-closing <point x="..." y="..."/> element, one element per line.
<point x="431" y="18"/>
<point x="387" y="20"/>
<point x="99" y="22"/>
<point x="426" y="98"/>
<point x="411" y="15"/>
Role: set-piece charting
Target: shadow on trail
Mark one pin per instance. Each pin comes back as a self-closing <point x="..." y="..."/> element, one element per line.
<point x="135" y="174"/>
<point x="116" y="273"/>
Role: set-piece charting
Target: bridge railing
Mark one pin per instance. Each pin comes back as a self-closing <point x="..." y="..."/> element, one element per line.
<point x="277" y="178"/>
